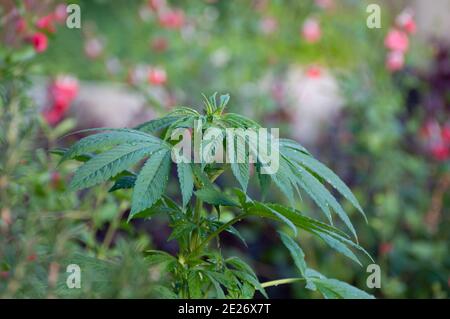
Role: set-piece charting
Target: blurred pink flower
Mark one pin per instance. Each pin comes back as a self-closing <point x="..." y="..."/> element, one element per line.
<point x="385" y="248"/>
<point x="395" y="61"/>
<point x="396" y="40"/>
<point x="55" y="179"/>
<point x="159" y="44"/>
<point x="314" y="72"/>
<point x="21" y="25"/>
<point x="93" y="48"/>
<point x="171" y="19"/>
<point x="52" y="116"/>
<point x="311" y="30"/>
<point x="446" y="133"/>
<point x="157" y="76"/>
<point x="437" y="140"/>
<point x="46" y="23"/>
<point x="268" y="25"/>
<point x="113" y="65"/>
<point x="325" y="4"/>
<point x="430" y="129"/>
<point x="138" y="74"/>
<point x="5" y="217"/>
<point x="277" y="91"/>
<point x="440" y="151"/>
<point x="405" y="20"/>
<point x="60" y="13"/>
<point x="156" y="5"/>
<point x="62" y="91"/>
<point x="39" y="41"/>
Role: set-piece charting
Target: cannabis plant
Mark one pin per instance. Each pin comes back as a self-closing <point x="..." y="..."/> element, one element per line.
<point x="141" y="158"/>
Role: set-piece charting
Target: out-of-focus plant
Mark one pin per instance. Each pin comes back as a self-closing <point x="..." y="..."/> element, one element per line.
<point x="38" y="241"/>
<point x="44" y="228"/>
<point x="398" y="118"/>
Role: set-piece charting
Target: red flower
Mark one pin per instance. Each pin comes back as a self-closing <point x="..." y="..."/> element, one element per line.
<point x="268" y="25"/>
<point x="46" y="23"/>
<point x="31" y="258"/>
<point x="405" y="20"/>
<point x="385" y="248"/>
<point x="437" y="140"/>
<point x="21" y="25"/>
<point x="410" y="26"/>
<point x="311" y="30"/>
<point x="430" y="129"/>
<point x="55" y="179"/>
<point x="446" y="133"/>
<point x="325" y="4"/>
<point x="395" y="61"/>
<point x="314" y="72"/>
<point x="159" y="44"/>
<point x="440" y="151"/>
<point x="171" y="19"/>
<point x="62" y="92"/>
<point x="52" y="116"/>
<point x="157" y="76"/>
<point x="93" y="48"/>
<point x="39" y="41"/>
<point x="156" y="5"/>
<point x="60" y="13"/>
<point x="397" y="40"/>
<point x="4" y="274"/>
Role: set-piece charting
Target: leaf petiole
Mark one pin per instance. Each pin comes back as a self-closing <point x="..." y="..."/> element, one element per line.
<point x="218" y="231"/>
<point x="280" y="282"/>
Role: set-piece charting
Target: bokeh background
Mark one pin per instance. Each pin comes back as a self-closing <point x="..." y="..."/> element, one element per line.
<point x="373" y="104"/>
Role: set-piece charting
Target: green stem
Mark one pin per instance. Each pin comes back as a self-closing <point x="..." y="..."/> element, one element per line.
<point x="195" y="237"/>
<point x="115" y="223"/>
<point x="198" y="210"/>
<point x="281" y="282"/>
<point x="218" y="231"/>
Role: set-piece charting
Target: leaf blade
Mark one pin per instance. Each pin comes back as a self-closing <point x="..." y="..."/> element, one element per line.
<point x="186" y="181"/>
<point x="151" y="181"/>
<point x="108" y="164"/>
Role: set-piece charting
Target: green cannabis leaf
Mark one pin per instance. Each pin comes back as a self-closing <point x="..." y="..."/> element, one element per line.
<point x="140" y="160"/>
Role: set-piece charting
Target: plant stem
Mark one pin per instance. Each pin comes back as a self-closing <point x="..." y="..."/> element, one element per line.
<point x="281" y="282"/>
<point x="198" y="211"/>
<point x="111" y="231"/>
<point x="195" y="237"/>
<point x="218" y="231"/>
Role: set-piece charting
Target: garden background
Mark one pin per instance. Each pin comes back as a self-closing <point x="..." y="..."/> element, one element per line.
<point x="371" y="103"/>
